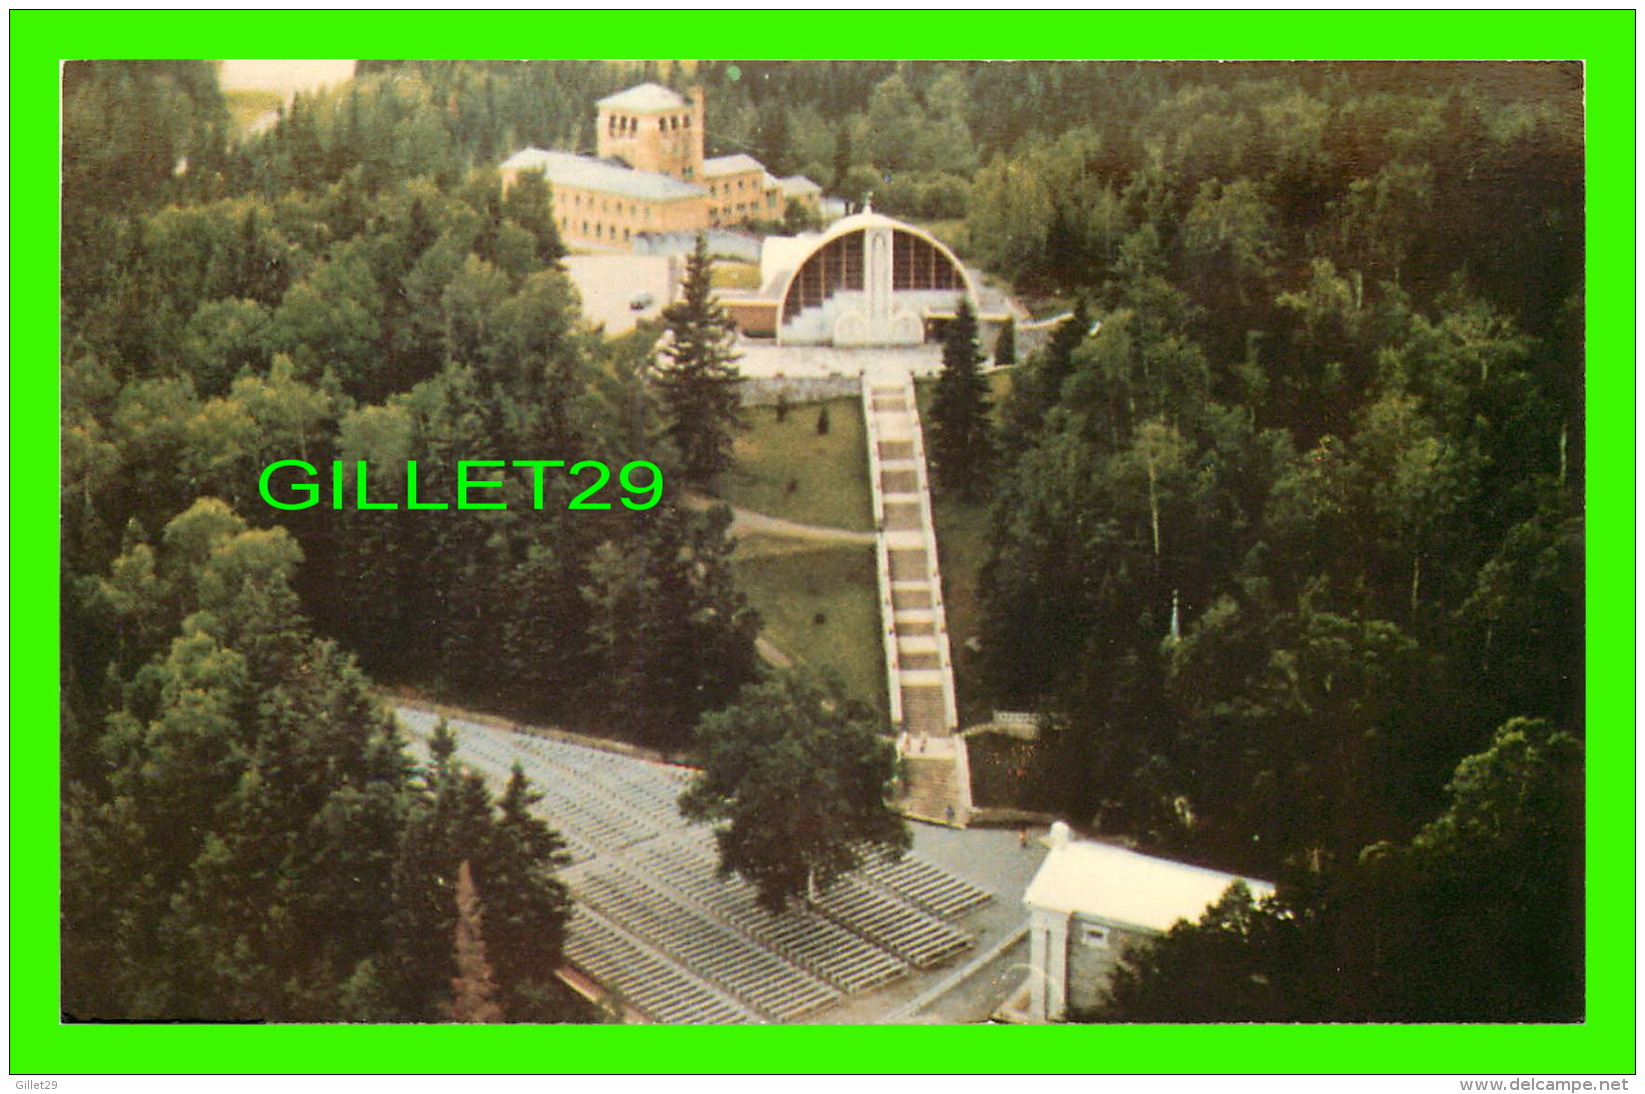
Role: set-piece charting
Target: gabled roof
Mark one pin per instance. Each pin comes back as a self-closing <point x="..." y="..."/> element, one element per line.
<point x="1126" y="888"/>
<point x="731" y="165"/>
<point x="795" y="185"/>
<point x="605" y="176"/>
<point x="644" y="99"/>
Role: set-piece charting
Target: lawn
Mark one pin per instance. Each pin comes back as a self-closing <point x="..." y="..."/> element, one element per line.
<point x="726" y="274"/>
<point x="819" y="604"/>
<point x="787" y="470"/>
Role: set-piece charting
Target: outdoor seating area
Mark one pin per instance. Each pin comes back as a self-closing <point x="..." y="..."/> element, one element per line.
<point x="661" y="930"/>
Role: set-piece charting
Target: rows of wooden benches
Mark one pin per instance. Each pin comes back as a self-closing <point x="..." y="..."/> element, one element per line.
<point x="816" y="944"/>
<point x="926" y="885"/>
<point x="767" y="983"/>
<point x="915" y="936"/>
<point x="651" y="983"/>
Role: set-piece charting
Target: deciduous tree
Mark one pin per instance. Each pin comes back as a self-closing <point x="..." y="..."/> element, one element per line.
<point x="799" y="778"/>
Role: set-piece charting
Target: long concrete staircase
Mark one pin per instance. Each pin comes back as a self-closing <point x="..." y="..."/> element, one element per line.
<point x="918" y="663"/>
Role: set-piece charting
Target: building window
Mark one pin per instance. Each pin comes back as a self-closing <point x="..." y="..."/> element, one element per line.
<point x="625" y="235"/>
<point x="836" y="266"/>
<point x="1094" y="936"/>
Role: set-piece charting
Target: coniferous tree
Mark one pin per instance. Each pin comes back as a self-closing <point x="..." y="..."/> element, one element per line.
<point x="1005" y="346"/>
<point x="699" y="381"/>
<point x="472" y="989"/>
<point x="527" y="908"/>
<point x="963" y="445"/>
<point x="1037" y="386"/>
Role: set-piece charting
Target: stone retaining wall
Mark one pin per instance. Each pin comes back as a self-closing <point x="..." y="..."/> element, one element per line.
<point x="765" y="390"/>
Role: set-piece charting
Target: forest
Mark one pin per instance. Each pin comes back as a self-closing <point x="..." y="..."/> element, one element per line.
<point x="344" y="288"/>
<point x="1285" y="522"/>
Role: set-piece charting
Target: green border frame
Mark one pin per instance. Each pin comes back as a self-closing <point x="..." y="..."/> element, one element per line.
<point x="1604" y="1044"/>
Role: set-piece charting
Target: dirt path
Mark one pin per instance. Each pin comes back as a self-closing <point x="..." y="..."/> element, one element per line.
<point x="746" y="520"/>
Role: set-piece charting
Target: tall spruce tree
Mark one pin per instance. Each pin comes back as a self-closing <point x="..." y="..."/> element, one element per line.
<point x="963" y="444"/>
<point x="472" y="989"/>
<point x="1005" y="344"/>
<point x="699" y="380"/>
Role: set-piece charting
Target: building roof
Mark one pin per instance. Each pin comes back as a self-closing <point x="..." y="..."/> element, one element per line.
<point x="1126" y="888"/>
<point x="795" y="185"/>
<point x="644" y="99"/>
<point x="605" y="176"/>
<point x="731" y="165"/>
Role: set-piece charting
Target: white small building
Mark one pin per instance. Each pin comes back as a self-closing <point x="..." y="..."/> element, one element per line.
<point x="1089" y="901"/>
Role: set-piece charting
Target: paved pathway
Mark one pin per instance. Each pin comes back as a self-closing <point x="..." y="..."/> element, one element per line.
<point x="918" y="662"/>
<point x="747" y="520"/>
<point x="771" y="653"/>
<point x="609" y="285"/>
<point x="763" y="357"/>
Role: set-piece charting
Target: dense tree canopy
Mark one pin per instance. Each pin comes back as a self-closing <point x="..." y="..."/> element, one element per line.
<point x="1286" y="515"/>
<point x="1478" y="918"/>
<point x="1321" y="414"/>
<point x="340" y="288"/>
<point x="250" y="840"/>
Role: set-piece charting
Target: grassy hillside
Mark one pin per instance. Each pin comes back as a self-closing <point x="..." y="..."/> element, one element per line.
<point x="828" y="473"/>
